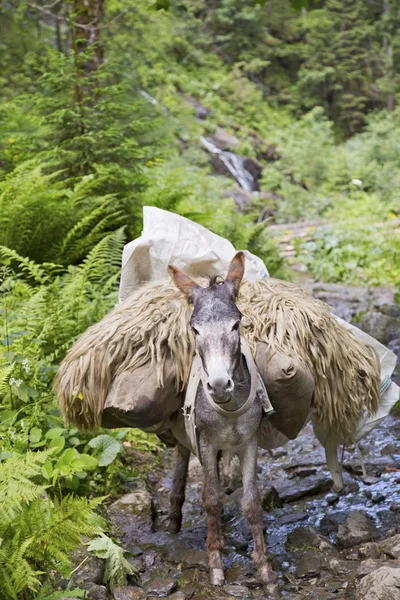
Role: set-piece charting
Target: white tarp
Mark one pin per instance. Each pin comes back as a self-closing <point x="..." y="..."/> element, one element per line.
<point x="168" y="238"/>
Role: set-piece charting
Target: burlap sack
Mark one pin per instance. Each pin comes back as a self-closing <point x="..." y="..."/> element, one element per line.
<point x="290" y="386"/>
<point x="135" y="400"/>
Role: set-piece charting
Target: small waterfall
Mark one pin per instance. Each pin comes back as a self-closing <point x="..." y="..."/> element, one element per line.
<point x="234" y="163"/>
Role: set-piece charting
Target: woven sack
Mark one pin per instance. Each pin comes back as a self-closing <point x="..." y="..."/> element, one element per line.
<point x="136" y="400"/>
<point x="290" y="386"/>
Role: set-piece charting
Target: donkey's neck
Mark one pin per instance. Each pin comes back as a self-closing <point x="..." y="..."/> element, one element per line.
<point x="242" y="380"/>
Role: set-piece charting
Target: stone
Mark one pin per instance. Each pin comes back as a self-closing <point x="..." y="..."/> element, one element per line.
<point x="160" y="586"/>
<point x="181" y="554"/>
<point x="201" y="111"/>
<point x="223" y="139"/>
<point x="129" y="593"/>
<point x="330" y="522"/>
<point x="139" y="502"/>
<point x="368" y="566"/>
<point x="310" y="564"/>
<point x="369" y="550"/>
<point x="308" y="486"/>
<point x="380" y="326"/>
<point x="293" y="518"/>
<point x="270" y="498"/>
<point x="306" y="537"/>
<point x="90" y="569"/>
<point x="237" y="591"/>
<point x="391" y="546"/>
<point x="177" y="596"/>
<point x="98" y="592"/>
<point x="356" y="529"/>
<point x="332" y="498"/>
<point x="337" y="566"/>
<point x="383" y="584"/>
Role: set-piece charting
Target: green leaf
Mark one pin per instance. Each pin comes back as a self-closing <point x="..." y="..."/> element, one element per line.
<point x="57" y="445"/>
<point x="35" y="435"/>
<point x="106" y="449"/>
<point x="54" y="433"/>
<point x="47" y="470"/>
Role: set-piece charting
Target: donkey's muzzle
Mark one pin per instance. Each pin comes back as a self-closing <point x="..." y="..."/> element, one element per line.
<point x="220" y="389"/>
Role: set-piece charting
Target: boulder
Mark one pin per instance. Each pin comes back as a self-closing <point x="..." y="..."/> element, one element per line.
<point x="383" y="584"/>
<point x="330" y="522"/>
<point x="383" y="328"/>
<point x="89" y="570"/>
<point x="391" y="546"/>
<point x="307" y="537"/>
<point x="357" y="529"/>
<point x="161" y="586"/>
<point x="270" y="498"/>
<point x="129" y="593"/>
<point x="310" y="564"/>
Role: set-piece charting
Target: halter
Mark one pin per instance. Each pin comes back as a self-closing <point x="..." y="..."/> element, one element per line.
<point x="198" y="375"/>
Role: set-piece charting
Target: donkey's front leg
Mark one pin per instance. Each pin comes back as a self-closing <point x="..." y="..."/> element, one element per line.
<point x="212" y="501"/>
<point x="252" y="509"/>
<point x="177" y="497"/>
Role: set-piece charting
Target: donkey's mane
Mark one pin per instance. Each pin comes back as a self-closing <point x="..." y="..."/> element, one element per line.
<point x="153" y="324"/>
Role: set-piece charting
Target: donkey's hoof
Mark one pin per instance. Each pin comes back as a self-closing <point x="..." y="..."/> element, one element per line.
<point x="174" y="526"/>
<point x="217" y="576"/>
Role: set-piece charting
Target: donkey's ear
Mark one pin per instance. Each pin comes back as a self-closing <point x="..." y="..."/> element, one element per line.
<point x="236" y="272"/>
<point x="182" y="281"/>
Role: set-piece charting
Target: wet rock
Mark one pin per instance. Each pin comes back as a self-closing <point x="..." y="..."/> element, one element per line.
<point x="391" y="546"/>
<point x="391" y="310"/>
<point x="98" y="592"/>
<point x="337" y="566"/>
<point x="293" y="490"/>
<point x="129" y="593"/>
<point x="303" y="472"/>
<point x="139" y="502"/>
<point x="237" y="591"/>
<point x="177" y="596"/>
<point x="90" y="570"/>
<point x="310" y="564"/>
<point x="160" y="586"/>
<point x="306" y="537"/>
<point x="382" y="327"/>
<point x="332" y="498"/>
<point x="181" y="554"/>
<point x="383" y="584"/>
<point x="270" y="498"/>
<point x="369" y="550"/>
<point x="150" y="558"/>
<point x="330" y="522"/>
<point x="233" y="504"/>
<point x="137" y="563"/>
<point x="357" y="529"/>
<point x="293" y="518"/>
<point x="201" y="111"/>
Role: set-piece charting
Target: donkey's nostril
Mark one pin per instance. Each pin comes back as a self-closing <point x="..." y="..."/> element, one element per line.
<point x="229" y="386"/>
<point x="209" y="387"/>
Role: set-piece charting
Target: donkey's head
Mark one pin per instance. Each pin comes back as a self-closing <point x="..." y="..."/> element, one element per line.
<point x="215" y="322"/>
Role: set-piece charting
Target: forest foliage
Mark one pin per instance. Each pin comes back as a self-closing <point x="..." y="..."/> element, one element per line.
<point x="90" y="132"/>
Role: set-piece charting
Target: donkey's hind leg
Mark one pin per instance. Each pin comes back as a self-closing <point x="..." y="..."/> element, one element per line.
<point x="177" y="497"/>
<point x="212" y="501"/>
<point x="252" y="510"/>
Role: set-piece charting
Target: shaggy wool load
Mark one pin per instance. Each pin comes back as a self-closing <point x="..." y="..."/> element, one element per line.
<point x="153" y="324"/>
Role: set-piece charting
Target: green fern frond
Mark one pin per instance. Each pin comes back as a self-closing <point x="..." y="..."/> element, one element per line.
<point x="117" y="567"/>
<point x="104" y="260"/>
<point x="35" y="271"/>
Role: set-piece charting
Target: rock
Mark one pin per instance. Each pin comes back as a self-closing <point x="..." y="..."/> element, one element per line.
<point x="293" y="518"/>
<point x="380" y="326"/>
<point x="391" y="310"/>
<point x="129" y="593"/>
<point x="90" y="570"/>
<point x="233" y="504"/>
<point x="98" y="592"/>
<point x="237" y="591"/>
<point x="383" y="584"/>
<point x="369" y="550"/>
<point x="161" y="586"/>
<point x="337" y="566"/>
<point x="223" y="139"/>
<point x="368" y="566"/>
<point x="356" y="529"/>
<point x="310" y="564"/>
<point x="201" y="111"/>
<point x="138" y="502"/>
<point x="177" y="596"/>
<point x="270" y="498"/>
<point x="330" y="522"/>
<point x="181" y="554"/>
<point x="332" y="498"/>
<point x="306" y="537"/>
<point x="308" y="486"/>
<point x="391" y="546"/>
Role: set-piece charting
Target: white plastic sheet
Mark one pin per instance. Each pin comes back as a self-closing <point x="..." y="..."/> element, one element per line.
<point x="168" y="238"/>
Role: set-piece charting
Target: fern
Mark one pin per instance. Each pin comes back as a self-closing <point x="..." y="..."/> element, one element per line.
<point x="29" y="267"/>
<point x="117" y="567"/>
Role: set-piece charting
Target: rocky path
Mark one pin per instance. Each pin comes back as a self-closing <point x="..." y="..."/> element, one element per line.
<point x="324" y="546"/>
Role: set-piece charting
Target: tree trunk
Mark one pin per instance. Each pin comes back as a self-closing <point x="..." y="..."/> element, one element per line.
<point x="86" y="34"/>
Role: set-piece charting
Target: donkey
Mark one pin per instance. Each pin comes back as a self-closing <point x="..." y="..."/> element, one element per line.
<point x="215" y="323"/>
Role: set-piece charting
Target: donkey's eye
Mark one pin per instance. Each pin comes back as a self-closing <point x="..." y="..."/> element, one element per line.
<point x="236" y="326"/>
<point x="195" y="330"/>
